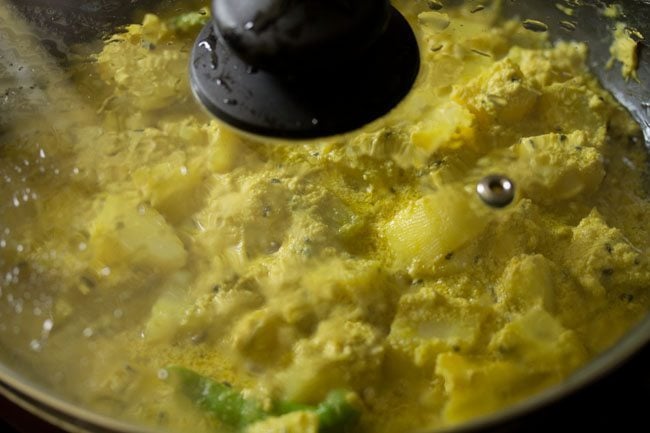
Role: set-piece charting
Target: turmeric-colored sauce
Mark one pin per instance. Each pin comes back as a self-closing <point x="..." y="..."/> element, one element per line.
<point x="137" y="233"/>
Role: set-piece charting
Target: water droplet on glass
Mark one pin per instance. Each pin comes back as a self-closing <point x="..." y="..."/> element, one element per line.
<point x="105" y="272"/>
<point x="249" y="25"/>
<point x="481" y="53"/>
<point x="205" y="45"/>
<point x="35" y="345"/>
<point x="534" y="26"/>
<point x="48" y="325"/>
<point x="87" y="332"/>
<point x="315" y="121"/>
<point x="568" y="25"/>
<point x="629" y="163"/>
<point x="646" y="106"/>
<point x="163" y="374"/>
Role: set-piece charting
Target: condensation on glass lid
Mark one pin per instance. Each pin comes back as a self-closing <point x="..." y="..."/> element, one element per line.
<point x="161" y="251"/>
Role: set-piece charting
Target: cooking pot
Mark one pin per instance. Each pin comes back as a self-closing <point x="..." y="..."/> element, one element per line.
<point x="57" y="24"/>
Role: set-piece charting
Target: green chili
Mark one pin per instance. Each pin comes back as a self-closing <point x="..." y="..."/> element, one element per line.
<point x="335" y="414"/>
<point x="218" y="399"/>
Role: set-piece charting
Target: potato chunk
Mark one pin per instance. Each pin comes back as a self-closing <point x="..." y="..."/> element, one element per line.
<point x="527" y="282"/>
<point x="539" y="340"/>
<point x="564" y="166"/>
<point x="499" y="94"/>
<point x="125" y="233"/>
<point x="428" y="323"/>
<point x="602" y="259"/>
<point x="170" y="186"/>
<point x="450" y="126"/>
<point x="476" y="386"/>
<point x="342" y="353"/>
<point x="432" y="227"/>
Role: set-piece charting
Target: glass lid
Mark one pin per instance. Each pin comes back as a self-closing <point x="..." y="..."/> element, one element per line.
<point x="476" y="247"/>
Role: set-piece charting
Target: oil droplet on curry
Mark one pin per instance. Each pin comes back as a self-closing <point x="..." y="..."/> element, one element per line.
<point x="141" y="240"/>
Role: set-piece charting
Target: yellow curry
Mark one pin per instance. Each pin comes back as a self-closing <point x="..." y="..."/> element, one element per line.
<point x="141" y="240"/>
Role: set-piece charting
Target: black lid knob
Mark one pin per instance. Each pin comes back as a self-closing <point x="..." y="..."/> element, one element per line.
<point x="302" y="34"/>
<point x="303" y="68"/>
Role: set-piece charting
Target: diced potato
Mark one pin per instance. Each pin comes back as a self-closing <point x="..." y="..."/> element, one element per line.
<point x="537" y="339"/>
<point x="564" y="166"/>
<point x="625" y="50"/>
<point x="427" y="324"/>
<point x="449" y="126"/>
<point x="354" y="281"/>
<point x="432" y="227"/>
<point x="341" y="354"/>
<point x="562" y="63"/>
<point x="150" y="80"/>
<point x="499" y="94"/>
<point x="225" y="150"/>
<point x="168" y="312"/>
<point x="164" y="320"/>
<point x="570" y="107"/>
<point x="602" y="259"/>
<point x="453" y="168"/>
<point x="177" y="315"/>
<point x="527" y="282"/>
<point x="339" y="218"/>
<point x="125" y="234"/>
<point x="171" y="186"/>
<point x="477" y="387"/>
<point x="263" y="337"/>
